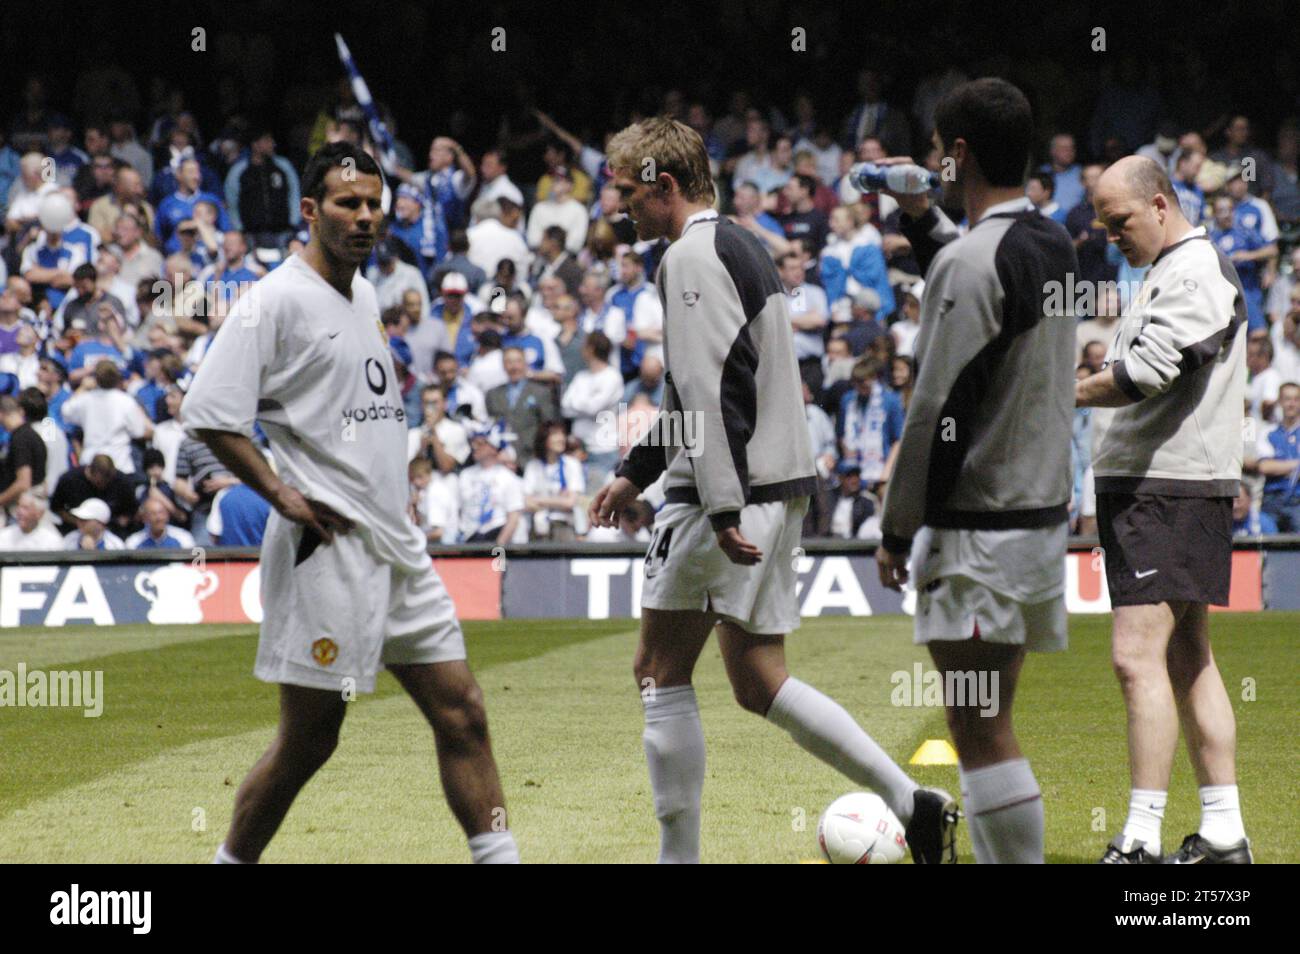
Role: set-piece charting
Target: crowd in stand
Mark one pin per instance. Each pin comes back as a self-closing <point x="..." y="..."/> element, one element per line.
<point x="523" y="319"/>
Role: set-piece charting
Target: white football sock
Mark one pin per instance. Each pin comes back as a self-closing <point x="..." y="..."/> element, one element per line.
<point x="674" y="751"/>
<point x="1005" y="808"/>
<point x="494" y="848"/>
<point x="982" y="855"/>
<point x="1221" y="823"/>
<point x="1146" y="811"/>
<point x="823" y="727"/>
<point x="224" y="857"/>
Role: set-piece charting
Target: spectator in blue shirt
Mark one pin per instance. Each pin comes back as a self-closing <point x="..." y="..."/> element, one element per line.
<point x="518" y="336"/>
<point x="1246" y="520"/>
<point x="1066" y="172"/>
<point x="151" y="393"/>
<point x="1245" y="249"/>
<point x="181" y="145"/>
<point x="1191" y="198"/>
<point x="158" y="533"/>
<point x="238" y="518"/>
<point x="408" y="385"/>
<point x="179" y="206"/>
<point x="870" y="423"/>
<point x="233" y="277"/>
<point x="109" y="343"/>
<point x="9" y="161"/>
<point x="748" y="202"/>
<point x="649" y="381"/>
<point x="1279" y="461"/>
<point x="51" y="379"/>
<point x="68" y="159"/>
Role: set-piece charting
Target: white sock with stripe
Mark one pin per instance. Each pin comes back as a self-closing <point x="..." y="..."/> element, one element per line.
<point x="1005" y="808"/>
<point x="982" y="856"/>
<point x="674" y="751"/>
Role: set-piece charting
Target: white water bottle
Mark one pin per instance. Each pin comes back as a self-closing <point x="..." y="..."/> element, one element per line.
<point x="904" y="179"/>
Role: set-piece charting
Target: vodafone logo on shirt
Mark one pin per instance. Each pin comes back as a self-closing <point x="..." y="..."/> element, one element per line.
<point x="378" y="381"/>
<point x="376" y="377"/>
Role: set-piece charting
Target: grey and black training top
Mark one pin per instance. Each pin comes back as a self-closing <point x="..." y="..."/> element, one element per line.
<point x="731" y="430"/>
<point x="1180" y="353"/>
<point x="986" y="444"/>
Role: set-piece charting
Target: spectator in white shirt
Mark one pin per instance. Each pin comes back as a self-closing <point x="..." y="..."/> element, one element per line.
<point x="26" y="193"/>
<point x="435" y="504"/>
<point x="29" y="531"/>
<point x="908" y="325"/>
<point x="559" y="208"/>
<point x="109" y="418"/>
<point x="599" y="315"/>
<point x="1285" y="336"/>
<point x="591" y="401"/>
<point x="441" y="441"/>
<point x="92" y="531"/>
<point x="169" y="434"/>
<point x="487" y="370"/>
<point x="491" y="239"/>
<point x="493" y="172"/>
<point x="25" y="362"/>
<point x="809" y="313"/>
<point x="1265" y="382"/>
<point x="392" y="278"/>
<point x="491" y="495"/>
<point x="553" y="482"/>
<point x="464" y="400"/>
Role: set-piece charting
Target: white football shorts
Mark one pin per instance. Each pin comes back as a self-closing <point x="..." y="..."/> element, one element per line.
<point x="332" y="612"/>
<point x="686" y="570"/>
<point x="997" y="586"/>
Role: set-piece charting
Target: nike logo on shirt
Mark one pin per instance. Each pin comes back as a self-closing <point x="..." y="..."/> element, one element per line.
<point x="1144" y="575"/>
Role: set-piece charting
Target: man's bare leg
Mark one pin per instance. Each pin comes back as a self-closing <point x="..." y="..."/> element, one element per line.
<point x="999" y="791"/>
<point x="307" y="736"/>
<point x="1139" y="652"/>
<point x="671" y="641"/>
<point x="762" y="685"/>
<point x="1209" y="725"/>
<point x="1204" y="709"/>
<point x="451" y="701"/>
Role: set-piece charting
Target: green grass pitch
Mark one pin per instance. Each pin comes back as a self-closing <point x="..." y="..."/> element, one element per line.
<point x="153" y="779"/>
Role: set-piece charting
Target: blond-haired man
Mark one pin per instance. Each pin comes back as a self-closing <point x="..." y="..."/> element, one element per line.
<point x="732" y="438"/>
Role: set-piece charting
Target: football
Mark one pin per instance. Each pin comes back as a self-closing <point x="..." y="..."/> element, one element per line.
<point x="860" y="829"/>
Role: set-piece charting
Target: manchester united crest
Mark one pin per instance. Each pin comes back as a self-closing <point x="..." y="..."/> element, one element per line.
<point x="324" y="651"/>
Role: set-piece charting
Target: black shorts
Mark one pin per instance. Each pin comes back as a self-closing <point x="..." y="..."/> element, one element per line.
<point x="1162" y="549"/>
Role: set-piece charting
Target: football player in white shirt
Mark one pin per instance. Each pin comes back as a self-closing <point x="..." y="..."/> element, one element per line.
<point x="347" y="582"/>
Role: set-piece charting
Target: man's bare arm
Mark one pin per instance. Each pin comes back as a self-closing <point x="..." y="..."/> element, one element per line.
<point x="1100" y="390"/>
<point x="1272" y="467"/>
<point x="245" y="461"/>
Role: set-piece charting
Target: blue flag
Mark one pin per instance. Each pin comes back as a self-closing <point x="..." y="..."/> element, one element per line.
<point x="378" y="131"/>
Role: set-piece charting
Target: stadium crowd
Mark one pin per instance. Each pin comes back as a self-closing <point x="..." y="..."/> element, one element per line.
<point x="521" y="310"/>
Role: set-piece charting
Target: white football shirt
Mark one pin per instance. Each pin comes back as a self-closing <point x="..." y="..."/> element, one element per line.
<point x="313" y="368"/>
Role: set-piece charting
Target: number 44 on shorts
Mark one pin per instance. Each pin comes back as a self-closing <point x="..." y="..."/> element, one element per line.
<point x="657" y="552"/>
